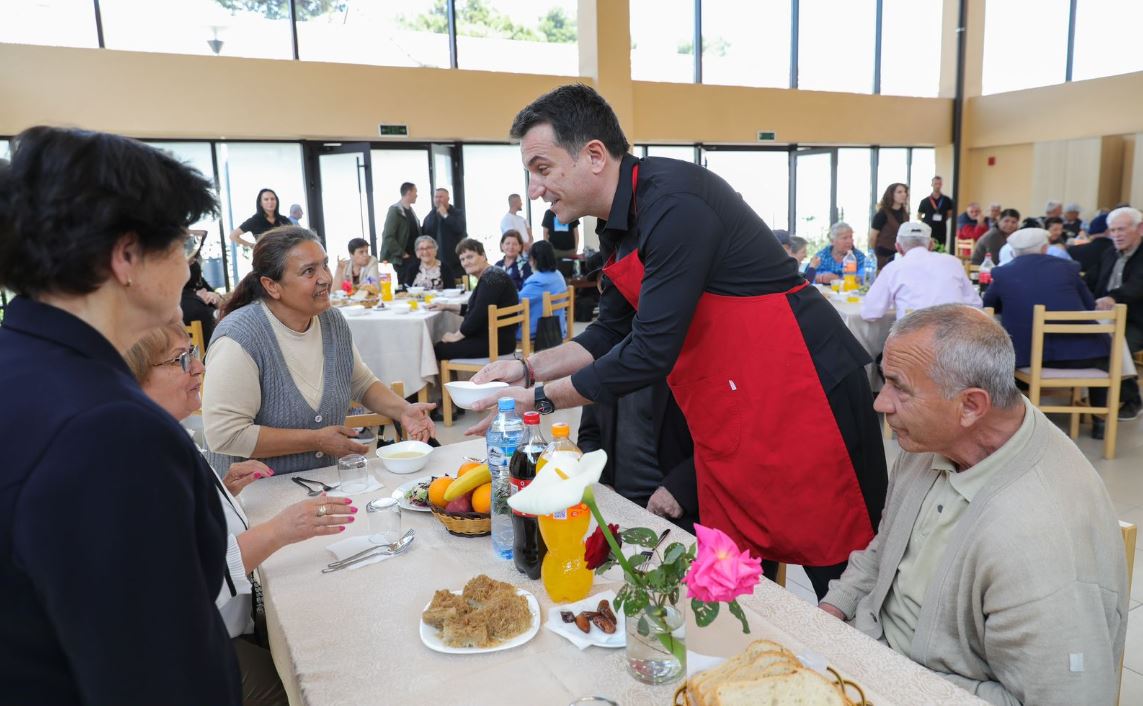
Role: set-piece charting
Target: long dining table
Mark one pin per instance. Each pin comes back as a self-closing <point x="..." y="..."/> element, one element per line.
<point x="353" y="636"/>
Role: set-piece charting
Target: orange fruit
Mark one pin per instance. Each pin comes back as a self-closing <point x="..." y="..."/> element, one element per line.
<point x="467" y="466"/>
<point x="437" y="490"/>
<point x="482" y="498"/>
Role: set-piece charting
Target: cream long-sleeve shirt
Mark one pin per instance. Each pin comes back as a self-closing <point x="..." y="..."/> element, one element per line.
<point x="232" y="390"/>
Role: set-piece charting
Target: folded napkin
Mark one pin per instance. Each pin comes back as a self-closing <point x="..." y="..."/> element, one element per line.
<point x="700" y="663"/>
<point x="349" y="546"/>
<point x="596" y="637"/>
<point x="374" y="484"/>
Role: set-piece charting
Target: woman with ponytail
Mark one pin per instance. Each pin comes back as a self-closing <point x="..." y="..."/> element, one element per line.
<point x="283" y="369"/>
<point x="266" y="216"/>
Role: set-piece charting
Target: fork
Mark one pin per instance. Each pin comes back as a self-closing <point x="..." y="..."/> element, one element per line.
<point x="309" y="491"/>
<point x="324" y="487"/>
<point x="394" y="549"/>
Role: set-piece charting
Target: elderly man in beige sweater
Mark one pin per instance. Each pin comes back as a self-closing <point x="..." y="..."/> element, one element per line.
<point x="998" y="562"/>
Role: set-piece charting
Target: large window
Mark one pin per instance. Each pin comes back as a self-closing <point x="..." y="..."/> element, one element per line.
<point x="1107" y="38"/>
<point x="763" y="179"/>
<point x="1024" y="46"/>
<point x="922" y="169"/>
<point x="854" y="195"/>
<point x="683" y="152"/>
<point x="409" y="33"/>
<point x="836" y="43"/>
<point x="393" y="167"/>
<point x="663" y="40"/>
<point x="258" y="30"/>
<point x="522" y="36"/>
<point x="746" y="43"/>
<point x="60" y="23"/>
<point x="910" y="47"/>
<point x="892" y="168"/>
<point x="491" y="172"/>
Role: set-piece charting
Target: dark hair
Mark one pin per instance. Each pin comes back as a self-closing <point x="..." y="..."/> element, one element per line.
<point x="270" y="256"/>
<point x="407" y="187"/>
<point x="886" y="203"/>
<point x="356" y="243"/>
<point x="1010" y="213"/>
<point x="470" y="244"/>
<point x="512" y="233"/>
<point x="578" y="115"/>
<point x="259" y="211"/>
<point x="543" y="256"/>
<point x="1031" y="223"/>
<point x="68" y="196"/>
<point x="1049" y="222"/>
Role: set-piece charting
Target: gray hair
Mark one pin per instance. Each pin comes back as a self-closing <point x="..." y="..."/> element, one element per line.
<point x="425" y="238"/>
<point x="797" y="243"/>
<point x="969" y="350"/>
<point x="1052" y="205"/>
<point x="837" y="228"/>
<point x="1073" y="206"/>
<point x="1133" y="213"/>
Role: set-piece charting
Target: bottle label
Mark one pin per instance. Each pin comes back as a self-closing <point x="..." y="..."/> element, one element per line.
<point x="515" y="486"/>
<point x="498" y="458"/>
<point x="572" y="513"/>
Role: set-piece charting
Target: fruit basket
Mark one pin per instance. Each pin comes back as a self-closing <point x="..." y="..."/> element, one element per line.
<point x="464" y="524"/>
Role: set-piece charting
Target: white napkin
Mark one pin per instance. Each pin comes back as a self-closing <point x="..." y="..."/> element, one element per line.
<point x="700" y="663"/>
<point x="374" y="484"/>
<point x="349" y="546"/>
<point x="596" y="637"/>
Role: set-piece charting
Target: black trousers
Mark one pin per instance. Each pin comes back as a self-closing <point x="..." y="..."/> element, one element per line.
<point x="464" y="348"/>
<point x="260" y="683"/>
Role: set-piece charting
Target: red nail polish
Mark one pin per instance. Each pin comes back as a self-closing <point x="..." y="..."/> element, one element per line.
<point x="341" y="529"/>
<point x="348" y="501"/>
<point x="257" y="475"/>
<point x="353" y="510"/>
<point x="350" y="519"/>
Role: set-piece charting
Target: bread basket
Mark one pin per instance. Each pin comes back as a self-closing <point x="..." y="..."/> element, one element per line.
<point x="464" y="524"/>
<point x="843" y="685"/>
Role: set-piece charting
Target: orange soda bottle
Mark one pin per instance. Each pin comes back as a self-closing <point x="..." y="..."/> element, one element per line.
<point x="565" y="576"/>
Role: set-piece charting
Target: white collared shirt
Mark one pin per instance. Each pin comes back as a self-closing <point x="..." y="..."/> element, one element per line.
<point x="918" y="280"/>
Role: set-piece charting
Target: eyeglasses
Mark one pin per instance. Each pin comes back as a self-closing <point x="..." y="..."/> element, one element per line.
<point x="183" y="360"/>
<point x="191" y="243"/>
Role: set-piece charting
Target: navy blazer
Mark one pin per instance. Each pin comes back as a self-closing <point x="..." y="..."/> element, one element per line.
<point x="1029" y="280"/>
<point x="112" y="536"/>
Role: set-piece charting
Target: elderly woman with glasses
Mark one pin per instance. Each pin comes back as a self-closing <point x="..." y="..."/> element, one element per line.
<point x="425" y="270"/>
<point x="283" y="367"/>
<point x="109" y="569"/>
<point x="167" y="367"/>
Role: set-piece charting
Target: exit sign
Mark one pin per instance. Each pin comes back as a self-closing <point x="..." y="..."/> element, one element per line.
<point x="767" y="136"/>
<point x="393" y="130"/>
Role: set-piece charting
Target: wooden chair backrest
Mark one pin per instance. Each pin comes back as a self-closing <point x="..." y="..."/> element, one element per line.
<point x="373" y="419"/>
<point x="194" y="330"/>
<point x="501" y="316"/>
<point x="565" y="301"/>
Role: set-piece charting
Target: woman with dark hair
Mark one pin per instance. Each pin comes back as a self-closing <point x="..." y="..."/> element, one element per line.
<point x="360" y="268"/>
<point x="544" y="278"/>
<point x="425" y="270"/>
<point x="514" y="262"/>
<point x="493" y="287"/>
<point x="283" y="367"/>
<point x="199" y="300"/>
<point x="108" y="569"/>
<point x="266" y="216"/>
<point x="892" y="211"/>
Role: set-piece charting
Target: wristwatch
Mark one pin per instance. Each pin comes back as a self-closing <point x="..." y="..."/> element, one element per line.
<point x="543" y="404"/>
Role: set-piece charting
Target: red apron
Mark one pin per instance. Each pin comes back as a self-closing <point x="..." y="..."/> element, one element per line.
<point x="772" y="468"/>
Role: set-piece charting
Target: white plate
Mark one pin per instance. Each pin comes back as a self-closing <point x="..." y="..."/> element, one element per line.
<point x="399" y="494"/>
<point x="431" y="637"/>
<point x="354" y="310"/>
<point x="596" y="637"/>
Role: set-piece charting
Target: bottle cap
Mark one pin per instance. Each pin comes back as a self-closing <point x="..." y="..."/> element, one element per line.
<point x="506" y="404"/>
<point x="532" y="418"/>
<point x="560" y="430"/>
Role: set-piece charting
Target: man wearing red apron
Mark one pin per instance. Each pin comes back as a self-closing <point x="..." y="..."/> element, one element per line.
<point x="788" y="451"/>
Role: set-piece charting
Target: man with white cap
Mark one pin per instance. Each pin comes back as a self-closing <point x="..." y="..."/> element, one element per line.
<point x="918" y="279"/>
<point x="1036" y="277"/>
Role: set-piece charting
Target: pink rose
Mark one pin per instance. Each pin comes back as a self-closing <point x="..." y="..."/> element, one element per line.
<point x="720" y="573"/>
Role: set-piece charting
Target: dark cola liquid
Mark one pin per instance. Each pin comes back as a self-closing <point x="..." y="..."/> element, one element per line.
<point x="528" y="548"/>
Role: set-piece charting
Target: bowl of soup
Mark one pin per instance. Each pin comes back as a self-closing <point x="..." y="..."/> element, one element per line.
<point x="405" y="457"/>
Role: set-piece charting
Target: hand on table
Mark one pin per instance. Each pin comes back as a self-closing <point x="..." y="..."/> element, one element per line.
<point x="663" y="504"/>
<point x="826" y="277"/>
<point x="1104" y="304"/>
<point x="244" y="473"/>
<point x="525" y="401"/>
<point x="306" y="519"/>
<point x="815" y="261"/>
<point x="416" y="422"/>
<point x="832" y="611"/>
<point x="338" y="441"/>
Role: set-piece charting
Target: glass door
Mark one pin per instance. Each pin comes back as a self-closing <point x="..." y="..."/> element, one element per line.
<point x="815" y="199"/>
<point x="346" y="197"/>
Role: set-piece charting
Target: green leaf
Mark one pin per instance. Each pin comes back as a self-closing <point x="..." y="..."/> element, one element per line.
<point x="643" y="627"/>
<point x="705" y="613"/>
<point x="599" y="570"/>
<point x="736" y="611"/>
<point x="674" y="552"/>
<point x="640" y="537"/>
<point x="638" y="560"/>
<point x="676" y="647"/>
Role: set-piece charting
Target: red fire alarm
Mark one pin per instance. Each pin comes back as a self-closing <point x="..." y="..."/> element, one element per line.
<point x="991" y="161"/>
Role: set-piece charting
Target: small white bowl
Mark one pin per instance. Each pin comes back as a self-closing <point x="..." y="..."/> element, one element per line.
<point x="451" y="292"/>
<point x="466" y="393"/>
<point x="354" y="310"/>
<point x="415" y="291"/>
<point x="411" y="464"/>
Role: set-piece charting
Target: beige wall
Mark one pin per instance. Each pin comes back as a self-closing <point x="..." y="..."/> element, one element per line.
<point x="1008" y="181"/>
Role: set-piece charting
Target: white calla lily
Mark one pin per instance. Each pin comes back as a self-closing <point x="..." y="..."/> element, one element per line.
<point x="560" y="484"/>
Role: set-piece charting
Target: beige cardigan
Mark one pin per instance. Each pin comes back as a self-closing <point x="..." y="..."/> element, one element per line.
<point x="1029" y="603"/>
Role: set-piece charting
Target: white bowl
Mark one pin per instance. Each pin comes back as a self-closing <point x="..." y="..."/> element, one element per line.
<point x="415" y="291"/>
<point x="451" y="292"/>
<point x="466" y="393"/>
<point x="354" y="310"/>
<point x="412" y="464"/>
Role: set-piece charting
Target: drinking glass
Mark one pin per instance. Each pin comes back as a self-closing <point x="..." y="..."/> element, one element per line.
<point x="353" y="473"/>
<point x="384" y="520"/>
<point x="835" y="284"/>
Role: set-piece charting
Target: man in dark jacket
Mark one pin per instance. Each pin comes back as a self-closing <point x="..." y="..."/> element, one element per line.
<point x="1121" y="282"/>
<point x="1089" y="255"/>
<point x="401" y="228"/>
<point x="446" y="223"/>
<point x="991" y="242"/>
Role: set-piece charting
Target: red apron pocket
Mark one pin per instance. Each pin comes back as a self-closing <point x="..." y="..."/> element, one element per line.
<point x="714" y="407"/>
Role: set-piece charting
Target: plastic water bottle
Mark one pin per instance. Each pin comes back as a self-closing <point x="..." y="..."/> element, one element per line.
<point x="504" y="435"/>
<point x="870" y="273"/>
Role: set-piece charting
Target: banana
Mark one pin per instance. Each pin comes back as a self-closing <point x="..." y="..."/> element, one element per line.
<point x="468" y="482"/>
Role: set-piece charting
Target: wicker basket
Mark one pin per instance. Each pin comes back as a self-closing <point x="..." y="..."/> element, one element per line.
<point x="465" y="524"/>
<point x="843" y="685"/>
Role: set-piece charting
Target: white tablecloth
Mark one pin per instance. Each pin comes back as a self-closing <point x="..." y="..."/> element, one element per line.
<point x="352" y="637"/>
<point x="400" y="346"/>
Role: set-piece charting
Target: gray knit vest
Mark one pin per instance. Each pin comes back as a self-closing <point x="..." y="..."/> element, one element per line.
<point x="283" y="406"/>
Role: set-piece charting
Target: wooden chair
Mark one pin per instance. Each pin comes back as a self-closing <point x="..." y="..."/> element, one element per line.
<point x="1038" y="378"/>
<point x="373" y="420"/>
<point x="194" y="330"/>
<point x="1130" y="534"/>
<point x="566" y="302"/>
<point x="780" y="578"/>
<point x="964" y="247"/>
<point x="498" y="317"/>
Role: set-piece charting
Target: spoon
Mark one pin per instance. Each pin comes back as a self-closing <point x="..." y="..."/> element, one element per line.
<point x="313" y="493"/>
<point x="380" y="550"/>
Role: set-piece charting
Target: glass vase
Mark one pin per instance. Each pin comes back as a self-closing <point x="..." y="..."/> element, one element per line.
<point x="656" y="641"/>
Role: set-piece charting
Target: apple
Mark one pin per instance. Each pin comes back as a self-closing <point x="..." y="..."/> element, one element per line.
<point x="461" y="504"/>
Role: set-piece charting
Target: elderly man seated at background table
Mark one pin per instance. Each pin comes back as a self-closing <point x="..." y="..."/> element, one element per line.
<point x="918" y="279"/>
<point x="831" y="257"/>
<point x="1034" y="277"/>
<point x="998" y="562"/>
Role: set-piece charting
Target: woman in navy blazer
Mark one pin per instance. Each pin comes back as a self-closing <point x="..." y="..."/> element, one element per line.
<point x="112" y="538"/>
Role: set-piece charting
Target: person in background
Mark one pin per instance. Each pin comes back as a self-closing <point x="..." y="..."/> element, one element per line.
<point x="296" y="214"/>
<point x="493" y="286"/>
<point x="1121" y="282"/>
<point x="514" y="262"/>
<point x="564" y="237"/>
<point x="170" y="373"/>
<point x="199" y="300"/>
<point x="975" y="225"/>
<point x="446" y="223"/>
<point x="797" y="249"/>
<point x="108" y="568"/>
<point x="1057" y="245"/>
<point x="1090" y="254"/>
<point x="1099" y="223"/>
<point x="1073" y="224"/>
<point x="401" y="228"/>
<point x="1052" y="209"/>
<point x="544" y="278"/>
<point x="831" y="257"/>
<point x="266" y="216"/>
<point x="514" y="221"/>
<point x="360" y="268"/>
<point x="992" y="241"/>
<point x="918" y="279"/>
<point x="999" y="563"/>
<point x="936" y="211"/>
<point x="284" y="369"/>
<point x="425" y="270"/>
<point x="892" y="211"/>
